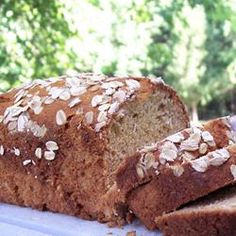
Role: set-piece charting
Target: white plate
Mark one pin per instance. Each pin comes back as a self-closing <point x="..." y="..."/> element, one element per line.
<point x="19" y="221"/>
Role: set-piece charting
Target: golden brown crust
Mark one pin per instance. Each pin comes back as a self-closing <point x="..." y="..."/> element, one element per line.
<point x="213" y="214"/>
<point x="179" y="169"/>
<point x="52" y="157"/>
<point x="215" y="223"/>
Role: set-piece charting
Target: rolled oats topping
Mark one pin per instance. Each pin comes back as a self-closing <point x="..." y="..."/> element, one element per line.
<point x="77" y="91"/>
<point x="49" y="155"/>
<point x="26" y="162"/>
<point x="16" y="151"/>
<point x="114" y="108"/>
<point x="105" y="99"/>
<point x="49" y="100"/>
<point x="176" y="138"/>
<point x="215" y="158"/>
<point x="61" y="117"/>
<point x="200" y="164"/>
<point x="147" y="160"/>
<point x="207" y="137"/>
<point x="35" y="102"/>
<point x="1" y="150"/>
<point x="177" y="169"/>
<point x="110" y="91"/>
<point x="203" y="148"/>
<point x="187" y="156"/>
<point x="196" y="129"/>
<point x="219" y="157"/>
<point x="96" y="100"/>
<point x="52" y="146"/>
<point x="12" y="126"/>
<point x="112" y="84"/>
<point x="133" y="84"/>
<point x="149" y="148"/>
<point x="12" y="112"/>
<point x="20" y="94"/>
<point x="38" y="131"/>
<point x="119" y="96"/>
<point x="38" y="110"/>
<point x="55" y="92"/>
<point x="102" y="116"/>
<point x="104" y="107"/>
<point x="89" y="117"/>
<point x="192" y="143"/>
<point x="168" y="152"/>
<point x="74" y="102"/>
<point x="65" y="95"/>
<point x="22" y="121"/>
<point x="99" y="126"/>
<point x="75" y="86"/>
<point x="140" y="171"/>
<point x="38" y="153"/>
<point x="72" y="81"/>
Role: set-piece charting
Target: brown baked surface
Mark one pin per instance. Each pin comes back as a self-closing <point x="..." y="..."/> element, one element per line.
<point x="213" y="215"/>
<point x="60" y="154"/>
<point x="157" y="180"/>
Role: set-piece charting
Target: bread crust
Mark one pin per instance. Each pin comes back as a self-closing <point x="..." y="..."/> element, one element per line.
<point x="213" y="214"/>
<point x="59" y="165"/>
<point x="163" y="185"/>
<point x="201" y="223"/>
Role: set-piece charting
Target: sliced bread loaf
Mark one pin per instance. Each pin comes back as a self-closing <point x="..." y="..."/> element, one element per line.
<point x="62" y="139"/>
<point x="214" y="215"/>
<point x="181" y="168"/>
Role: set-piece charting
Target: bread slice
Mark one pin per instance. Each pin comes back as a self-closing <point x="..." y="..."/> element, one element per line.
<point x="62" y="139"/>
<point x="212" y="215"/>
<point x="181" y="168"/>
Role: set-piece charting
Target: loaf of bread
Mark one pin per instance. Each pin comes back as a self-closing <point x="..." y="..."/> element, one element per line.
<point x="214" y="215"/>
<point x="62" y="139"/>
<point x="181" y="168"/>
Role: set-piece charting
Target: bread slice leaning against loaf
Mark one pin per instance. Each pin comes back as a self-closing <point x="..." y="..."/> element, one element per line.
<point x="62" y="139"/>
<point x="181" y="168"/>
<point x="214" y="215"/>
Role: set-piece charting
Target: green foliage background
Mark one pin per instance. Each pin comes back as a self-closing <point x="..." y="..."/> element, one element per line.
<point x="191" y="44"/>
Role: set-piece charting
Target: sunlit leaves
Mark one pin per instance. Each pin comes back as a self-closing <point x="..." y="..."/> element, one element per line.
<point x="32" y="41"/>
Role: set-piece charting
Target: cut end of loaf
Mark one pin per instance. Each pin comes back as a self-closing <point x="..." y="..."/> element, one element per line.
<point x="145" y="122"/>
